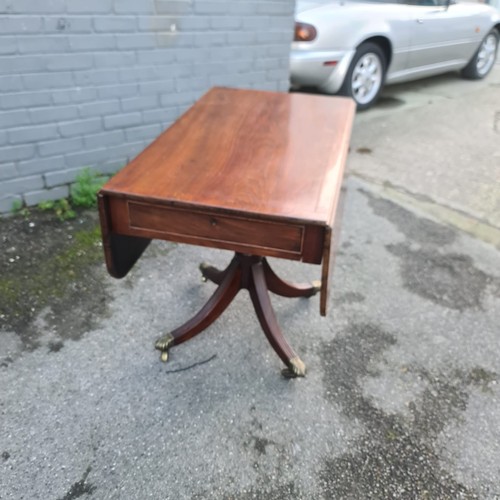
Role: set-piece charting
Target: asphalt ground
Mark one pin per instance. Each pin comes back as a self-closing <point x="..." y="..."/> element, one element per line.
<point x="402" y="394"/>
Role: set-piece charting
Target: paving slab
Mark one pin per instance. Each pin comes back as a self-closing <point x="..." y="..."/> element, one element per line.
<point x="438" y="139"/>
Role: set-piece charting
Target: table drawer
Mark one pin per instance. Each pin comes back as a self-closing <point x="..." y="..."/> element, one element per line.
<point x="211" y="228"/>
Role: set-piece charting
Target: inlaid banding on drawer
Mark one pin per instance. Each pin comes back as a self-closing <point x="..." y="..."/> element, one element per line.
<point x="209" y="226"/>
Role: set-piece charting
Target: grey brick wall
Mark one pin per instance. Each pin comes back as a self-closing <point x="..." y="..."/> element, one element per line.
<point x="89" y="83"/>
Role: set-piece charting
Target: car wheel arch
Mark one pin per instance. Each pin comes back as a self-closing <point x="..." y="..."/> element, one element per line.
<point x="385" y="45"/>
<point x="483" y="60"/>
<point x="365" y="76"/>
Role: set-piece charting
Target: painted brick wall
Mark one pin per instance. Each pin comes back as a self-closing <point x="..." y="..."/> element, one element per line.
<point x="89" y="83"/>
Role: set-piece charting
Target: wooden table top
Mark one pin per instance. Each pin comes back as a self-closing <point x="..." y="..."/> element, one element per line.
<point x="249" y="171"/>
<point x="272" y="155"/>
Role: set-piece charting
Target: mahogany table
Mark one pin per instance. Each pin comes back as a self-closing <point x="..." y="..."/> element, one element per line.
<point x="258" y="173"/>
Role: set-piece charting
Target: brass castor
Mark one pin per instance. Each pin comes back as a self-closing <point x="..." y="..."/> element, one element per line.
<point x="162" y="344"/>
<point x="296" y="368"/>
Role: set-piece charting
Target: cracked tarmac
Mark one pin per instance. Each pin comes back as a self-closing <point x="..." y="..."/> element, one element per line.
<point x="401" y="398"/>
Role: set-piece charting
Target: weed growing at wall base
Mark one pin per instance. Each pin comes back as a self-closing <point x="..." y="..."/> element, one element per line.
<point x="61" y="208"/>
<point x="84" y="190"/>
<point x="83" y="195"/>
<point x="17" y="205"/>
<point x="19" y="209"/>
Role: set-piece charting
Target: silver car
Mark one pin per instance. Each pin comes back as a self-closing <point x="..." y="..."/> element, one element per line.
<point x="353" y="48"/>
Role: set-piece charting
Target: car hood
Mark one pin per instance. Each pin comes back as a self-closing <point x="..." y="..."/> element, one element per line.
<point x="305" y="5"/>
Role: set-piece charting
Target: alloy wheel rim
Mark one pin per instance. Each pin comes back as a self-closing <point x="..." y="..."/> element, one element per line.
<point x="486" y="54"/>
<point x="366" y="78"/>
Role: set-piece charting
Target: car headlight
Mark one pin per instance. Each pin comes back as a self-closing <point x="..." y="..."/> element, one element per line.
<point x="304" y="32"/>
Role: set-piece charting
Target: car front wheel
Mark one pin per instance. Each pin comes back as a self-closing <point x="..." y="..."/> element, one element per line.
<point x="482" y="61"/>
<point x="366" y="74"/>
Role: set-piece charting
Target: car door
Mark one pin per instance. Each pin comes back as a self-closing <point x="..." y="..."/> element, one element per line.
<point x="439" y="34"/>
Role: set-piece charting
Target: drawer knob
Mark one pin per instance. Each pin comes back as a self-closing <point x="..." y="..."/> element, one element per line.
<point x="213" y="221"/>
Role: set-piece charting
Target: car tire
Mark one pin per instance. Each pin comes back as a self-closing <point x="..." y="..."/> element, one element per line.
<point x="483" y="60"/>
<point x="366" y="75"/>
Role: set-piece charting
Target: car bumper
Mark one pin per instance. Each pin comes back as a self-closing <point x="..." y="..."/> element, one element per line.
<point x="307" y="68"/>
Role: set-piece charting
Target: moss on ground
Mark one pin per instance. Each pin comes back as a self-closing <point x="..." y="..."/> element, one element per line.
<point x="48" y="263"/>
